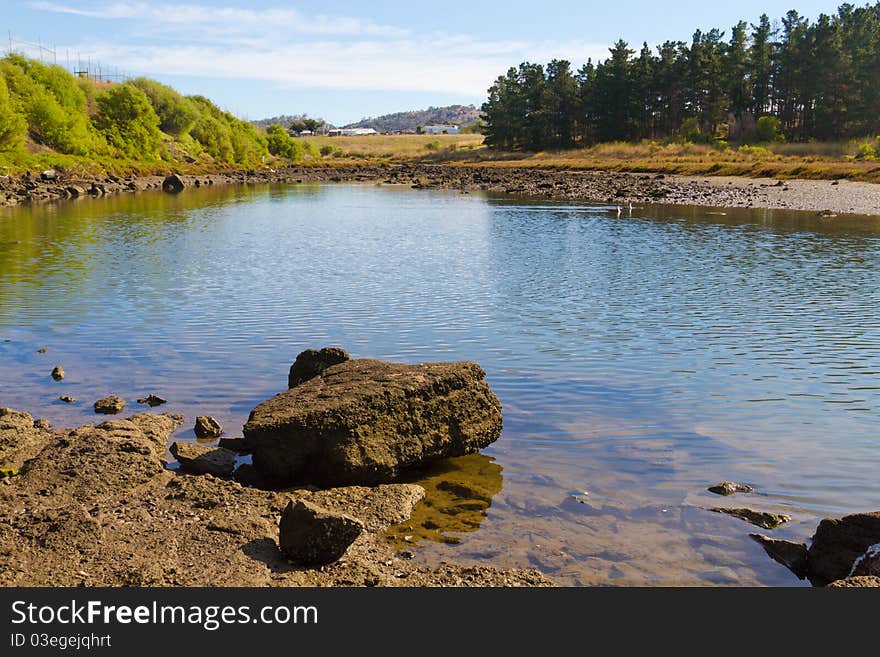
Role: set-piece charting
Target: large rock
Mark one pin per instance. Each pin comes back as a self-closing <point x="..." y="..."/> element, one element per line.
<point x="868" y="565"/>
<point x="207" y="427"/>
<point x="366" y="421"/>
<point x="791" y="555"/>
<point x="312" y="362"/>
<point x="110" y="405"/>
<point x="310" y="535"/>
<point x="173" y="184"/>
<point x="838" y="543"/>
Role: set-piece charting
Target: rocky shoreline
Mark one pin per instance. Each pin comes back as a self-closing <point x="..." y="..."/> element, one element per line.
<point x="826" y="198"/>
<point x="98" y="506"/>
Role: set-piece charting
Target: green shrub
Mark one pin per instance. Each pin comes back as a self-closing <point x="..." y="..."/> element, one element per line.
<point x="866" y="152"/>
<point x="13" y="126"/>
<point x="690" y="130"/>
<point x="767" y="130"/>
<point x="755" y="151"/>
<point x="282" y="144"/>
<point x="248" y="145"/>
<point x="211" y="130"/>
<point x="177" y="115"/>
<point x="127" y="120"/>
<point x="433" y="145"/>
<point x="327" y="150"/>
<point x="53" y="105"/>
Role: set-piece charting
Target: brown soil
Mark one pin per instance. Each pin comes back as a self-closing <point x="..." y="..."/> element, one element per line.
<point x="98" y="507"/>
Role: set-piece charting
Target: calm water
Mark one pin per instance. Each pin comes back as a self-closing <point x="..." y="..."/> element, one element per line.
<point x="638" y="359"/>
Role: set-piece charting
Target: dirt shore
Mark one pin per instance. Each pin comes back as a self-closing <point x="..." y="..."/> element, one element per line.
<point x="821" y="197"/>
<point x="97" y="506"/>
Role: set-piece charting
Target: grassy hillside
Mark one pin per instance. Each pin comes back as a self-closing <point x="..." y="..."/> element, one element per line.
<point x="49" y="118"/>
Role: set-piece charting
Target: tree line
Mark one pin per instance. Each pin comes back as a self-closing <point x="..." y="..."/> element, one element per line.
<point x="796" y="80"/>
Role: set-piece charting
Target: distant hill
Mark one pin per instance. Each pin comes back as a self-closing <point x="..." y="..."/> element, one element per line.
<point x="460" y="115"/>
<point x="284" y="119"/>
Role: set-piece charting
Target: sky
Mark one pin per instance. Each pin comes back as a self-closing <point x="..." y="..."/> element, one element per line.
<point x="343" y="61"/>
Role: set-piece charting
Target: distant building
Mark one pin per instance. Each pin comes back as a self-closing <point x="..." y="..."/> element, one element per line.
<point x="441" y="129"/>
<point x="352" y="132"/>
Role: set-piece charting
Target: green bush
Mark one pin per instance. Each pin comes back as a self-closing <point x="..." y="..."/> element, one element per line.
<point x="127" y="120"/>
<point x="433" y="145"/>
<point x="282" y="144"/>
<point x="13" y="126"/>
<point x="866" y="152"/>
<point x="690" y="130"/>
<point x="327" y="150"/>
<point x="755" y="151"/>
<point x="211" y="130"/>
<point x="54" y="106"/>
<point x="248" y="145"/>
<point x="767" y="130"/>
<point x="177" y="115"/>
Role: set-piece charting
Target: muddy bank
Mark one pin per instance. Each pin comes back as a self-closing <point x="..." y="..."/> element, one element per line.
<point x="97" y="506"/>
<point x="822" y="197"/>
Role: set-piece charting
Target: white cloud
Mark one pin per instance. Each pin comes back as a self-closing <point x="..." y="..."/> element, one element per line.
<point x="286" y="47"/>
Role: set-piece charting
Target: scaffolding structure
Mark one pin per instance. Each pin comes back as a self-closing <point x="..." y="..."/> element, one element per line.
<point x="82" y="68"/>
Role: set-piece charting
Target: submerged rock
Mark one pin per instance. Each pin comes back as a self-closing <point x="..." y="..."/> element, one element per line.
<point x="791" y="555"/>
<point x="152" y="400"/>
<point x="58" y="373"/>
<point x="312" y="362"/>
<point x="757" y="518"/>
<point x="110" y="405"/>
<point x="310" y="535"/>
<point x="838" y="543"/>
<point x="201" y="459"/>
<point x="366" y="421"/>
<point x="207" y="427"/>
<point x="730" y="488"/>
<point x="67" y="399"/>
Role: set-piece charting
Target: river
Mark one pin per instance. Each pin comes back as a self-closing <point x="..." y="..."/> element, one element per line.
<point x="639" y="358"/>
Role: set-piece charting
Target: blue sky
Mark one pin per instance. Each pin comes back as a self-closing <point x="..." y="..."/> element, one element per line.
<point x="346" y="60"/>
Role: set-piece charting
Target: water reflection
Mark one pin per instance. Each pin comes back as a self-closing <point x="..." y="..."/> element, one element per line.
<point x="458" y="493"/>
<point x="639" y="359"/>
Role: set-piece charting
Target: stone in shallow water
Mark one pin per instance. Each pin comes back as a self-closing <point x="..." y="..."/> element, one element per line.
<point x="310" y="535"/>
<point x="207" y="427"/>
<point x="152" y="401"/>
<point x="58" y="373"/>
<point x="791" y="555"/>
<point x="201" y="459"/>
<point x="757" y="518"/>
<point x="366" y="421"/>
<point x="110" y="405"/>
<point x="729" y="488"/>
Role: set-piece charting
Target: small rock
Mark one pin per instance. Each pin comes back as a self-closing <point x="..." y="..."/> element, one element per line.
<point x="49" y="174"/>
<point x="310" y="535"/>
<point x="58" y="373"/>
<point x="67" y="399"/>
<point x="729" y="488"/>
<point x="110" y="405"/>
<point x="152" y="400"/>
<point x="42" y="423"/>
<point x="791" y="555"/>
<point x="201" y="459"/>
<point x="42" y="351"/>
<point x="758" y="518"/>
<point x="207" y="427"/>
